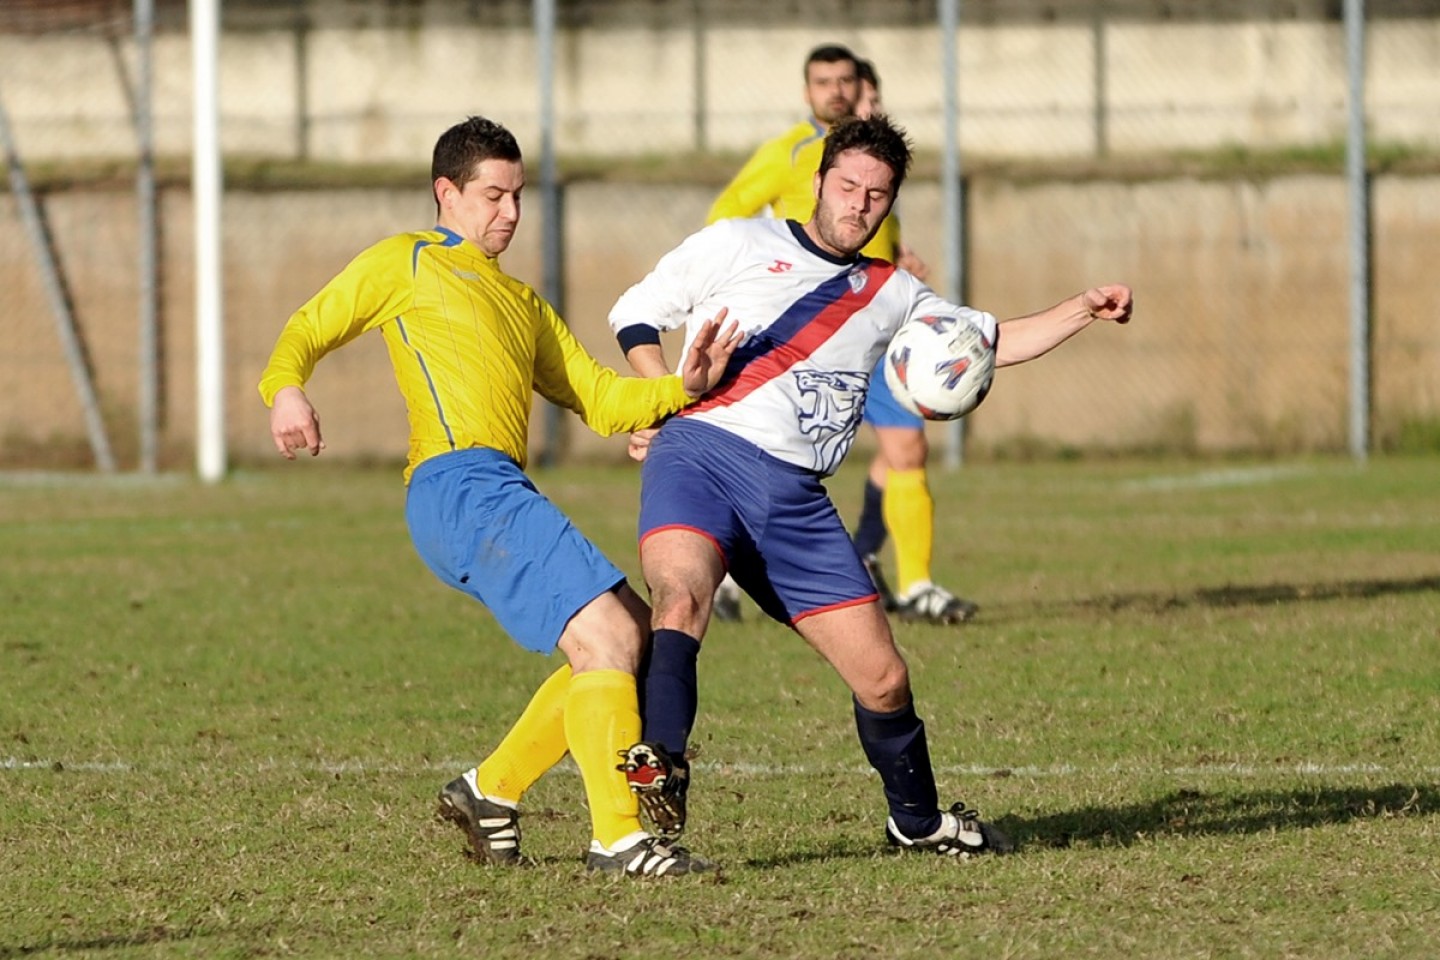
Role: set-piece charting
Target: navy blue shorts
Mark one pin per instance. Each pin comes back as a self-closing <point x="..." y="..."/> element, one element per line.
<point x="479" y="523"/>
<point x="881" y="407"/>
<point x="772" y="522"/>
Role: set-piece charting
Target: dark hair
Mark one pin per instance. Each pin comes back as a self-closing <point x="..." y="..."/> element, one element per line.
<point x="830" y="53"/>
<point x="461" y="149"/>
<point x="865" y="73"/>
<point x="875" y="135"/>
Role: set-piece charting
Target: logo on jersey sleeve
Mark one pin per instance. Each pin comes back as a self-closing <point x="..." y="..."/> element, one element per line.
<point x="831" y="402"/>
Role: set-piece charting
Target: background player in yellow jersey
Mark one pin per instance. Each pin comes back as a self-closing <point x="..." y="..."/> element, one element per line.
<point x="470" y="345"/>
<point x="897" y="490"/>
<point x="897" y="497"/>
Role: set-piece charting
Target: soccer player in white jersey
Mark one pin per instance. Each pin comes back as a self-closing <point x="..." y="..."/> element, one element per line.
<point x="735" y="482"/>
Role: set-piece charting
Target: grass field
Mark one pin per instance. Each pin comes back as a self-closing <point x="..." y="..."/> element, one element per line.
<point x="1204" y="697"/>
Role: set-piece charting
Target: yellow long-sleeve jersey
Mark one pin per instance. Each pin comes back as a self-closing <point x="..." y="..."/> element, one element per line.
<point x="468" y="343"/>
<point x="780" y="174"/>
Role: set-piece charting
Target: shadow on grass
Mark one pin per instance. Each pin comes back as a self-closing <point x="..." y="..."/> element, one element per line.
<point x="1188" y="812"/>
<point x="1181" y="813"/>
<point x="143" y="938"/>
<point x="1241" y="595"/>
<point x="838" y="848"/>
<point x="1232" y="595"/>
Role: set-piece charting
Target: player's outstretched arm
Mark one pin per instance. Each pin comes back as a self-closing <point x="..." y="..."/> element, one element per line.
<point x="1025" y="338"/>
<point x="294" y="424"/>
<point x="709" y="352"/>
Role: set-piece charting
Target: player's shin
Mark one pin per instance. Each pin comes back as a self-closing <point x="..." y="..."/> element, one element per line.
<point x="668" y="690"/>
<point x="895" y="745"/>
<point x="910" y="515"/>
<point x="602" y="719"/>
<point x="534" y="744"/>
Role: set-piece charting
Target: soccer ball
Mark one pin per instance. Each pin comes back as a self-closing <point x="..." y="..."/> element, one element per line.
<point x="939" y="368"/>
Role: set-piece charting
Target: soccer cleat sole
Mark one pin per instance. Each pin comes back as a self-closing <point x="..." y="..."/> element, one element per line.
<point x="655" y="781"/>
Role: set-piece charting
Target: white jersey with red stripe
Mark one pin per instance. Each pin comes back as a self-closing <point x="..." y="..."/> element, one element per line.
<point x="814" y="327"/>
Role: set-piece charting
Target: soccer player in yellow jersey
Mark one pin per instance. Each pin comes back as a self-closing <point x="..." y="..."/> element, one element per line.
<point x="779" y="175"/>
<point x="469" y="345"/>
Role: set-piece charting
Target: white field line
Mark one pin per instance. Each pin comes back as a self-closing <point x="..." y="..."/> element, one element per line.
<point x="1214" y="479"/>
<point x="60" y="480"/>
<point x="1219" y="770"/>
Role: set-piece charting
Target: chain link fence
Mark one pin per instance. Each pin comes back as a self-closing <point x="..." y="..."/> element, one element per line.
<point x="1194" y="150"/>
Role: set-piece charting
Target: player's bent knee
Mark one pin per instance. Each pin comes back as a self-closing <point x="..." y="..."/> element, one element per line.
<point x="604" y="635"/>
<point x="603" y="650"/>
<point x="886" y="691"/>
<point x="634" y="605"/>
<point x="678" y="607"/>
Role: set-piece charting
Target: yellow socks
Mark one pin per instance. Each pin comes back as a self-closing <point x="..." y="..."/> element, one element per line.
<point x="910" y="517"/>
<point x="594" y="716"/>
<point x="535" y="744"/>
<point x="602" y="717"/>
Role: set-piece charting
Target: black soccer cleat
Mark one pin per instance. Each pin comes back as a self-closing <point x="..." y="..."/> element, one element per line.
<point x="650" y="857"/>
<point x="493" y="828"/>
<point x="927" y="602"/>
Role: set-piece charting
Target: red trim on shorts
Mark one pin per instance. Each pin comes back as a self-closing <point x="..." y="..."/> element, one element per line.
<point x="724" y="560"/>
<point x="873" y="598"/>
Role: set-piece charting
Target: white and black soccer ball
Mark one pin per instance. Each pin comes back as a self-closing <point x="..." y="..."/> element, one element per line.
<point x="940" y="367"/>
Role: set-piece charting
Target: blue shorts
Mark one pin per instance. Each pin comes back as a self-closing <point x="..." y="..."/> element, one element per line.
<point x="772" y="522"/>
<point x="479" y="523"/>
<point x="881" y="407"/>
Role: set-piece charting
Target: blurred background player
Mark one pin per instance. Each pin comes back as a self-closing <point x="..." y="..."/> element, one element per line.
<point x="778" y="176"/>
<point x="897" y="489"/>
<point x="470" y="345"/>
<point x="776" y="179"/>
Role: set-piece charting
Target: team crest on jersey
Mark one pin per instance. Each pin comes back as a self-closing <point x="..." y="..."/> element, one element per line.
<point x="858" y="278"/>
<point x="779" y="266"/>
<point x="830" y="413"/>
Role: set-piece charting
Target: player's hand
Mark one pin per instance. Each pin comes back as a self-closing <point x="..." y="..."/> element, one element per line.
<point x="294" y="424"/>
<point x="709" y="353"/>
<point x="639" y="447"/>
<point x="1110" y="302"/>
<point x="907" y="260"/>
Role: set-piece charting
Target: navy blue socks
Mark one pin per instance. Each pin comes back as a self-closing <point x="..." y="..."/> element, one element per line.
<point x="895" y="745"/>
<point x="669" y="698"/>
<point x="870" y="531"/>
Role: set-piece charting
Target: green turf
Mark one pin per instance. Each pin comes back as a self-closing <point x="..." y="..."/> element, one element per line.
<point x="1204" y="697"/>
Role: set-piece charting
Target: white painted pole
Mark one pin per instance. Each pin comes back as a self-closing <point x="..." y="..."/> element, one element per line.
<point x="1358" y="201"/>
<point x="205" y="190"/>
<point x="148" y="402"/>
<point x="952" y="199"/>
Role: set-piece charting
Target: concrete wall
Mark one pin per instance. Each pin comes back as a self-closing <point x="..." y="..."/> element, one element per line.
<point x="1240" y="340"/>
<point x="351" y="94"/>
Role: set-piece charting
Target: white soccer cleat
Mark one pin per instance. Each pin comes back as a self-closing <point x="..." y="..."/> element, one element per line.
<point x="962" y="834"/>
<point x="934" y="604"/>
